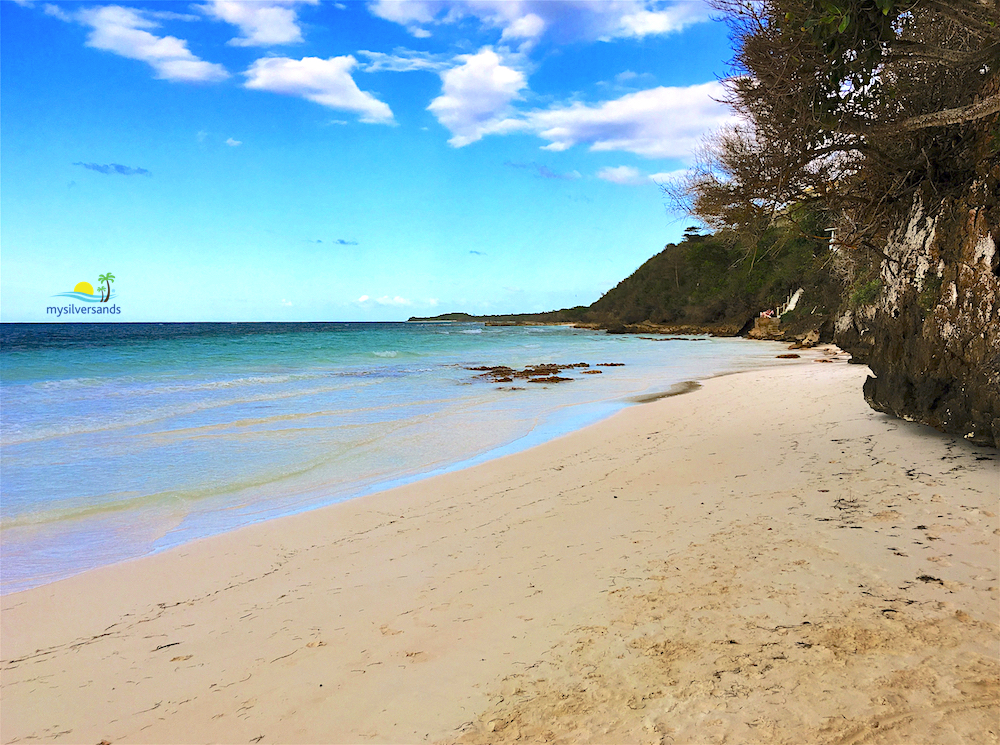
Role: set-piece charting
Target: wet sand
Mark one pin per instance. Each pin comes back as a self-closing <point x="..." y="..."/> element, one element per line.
<point x="761" y="560"/>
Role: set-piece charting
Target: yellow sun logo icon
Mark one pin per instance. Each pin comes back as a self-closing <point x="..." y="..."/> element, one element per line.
<point x="85" y="292"/>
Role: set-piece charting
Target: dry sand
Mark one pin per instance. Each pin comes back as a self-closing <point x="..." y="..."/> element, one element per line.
<point x="762" y="560"/>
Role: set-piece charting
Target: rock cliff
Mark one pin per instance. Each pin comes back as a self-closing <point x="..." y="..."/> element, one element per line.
<point x="928" y="326"/>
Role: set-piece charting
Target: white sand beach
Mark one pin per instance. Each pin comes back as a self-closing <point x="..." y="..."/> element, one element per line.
<point x="762" y="560"/>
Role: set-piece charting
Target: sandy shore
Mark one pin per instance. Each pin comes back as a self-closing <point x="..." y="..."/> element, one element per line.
<point x="762" y="560"/>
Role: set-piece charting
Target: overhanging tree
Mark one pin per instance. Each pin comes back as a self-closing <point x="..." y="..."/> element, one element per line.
<point x="857" y="106"/>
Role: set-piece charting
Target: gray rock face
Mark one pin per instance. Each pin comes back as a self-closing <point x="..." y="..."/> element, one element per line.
<point x="932" y="336"/>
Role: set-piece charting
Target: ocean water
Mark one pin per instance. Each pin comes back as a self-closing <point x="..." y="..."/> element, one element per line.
<point x="120" y="440"/>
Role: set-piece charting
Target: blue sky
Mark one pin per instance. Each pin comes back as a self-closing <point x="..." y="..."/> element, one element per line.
<point x="316" y="160"/>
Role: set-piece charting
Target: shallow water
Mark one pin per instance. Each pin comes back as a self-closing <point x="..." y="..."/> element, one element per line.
<point x="119" y="440"/>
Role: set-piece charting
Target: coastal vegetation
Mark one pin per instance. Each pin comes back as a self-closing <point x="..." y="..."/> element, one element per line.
<point x="885" y="114"/>
<point x="866" y="170"/>
<point x="714" y="283"/>
<point x="858" y="106"/>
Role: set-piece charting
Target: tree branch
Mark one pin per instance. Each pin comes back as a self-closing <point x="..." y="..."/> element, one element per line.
<point x="903" y="49"/>
<point x="946" y="117"/>
<point x="986" y="107"/>
<point x="967" y="14"/>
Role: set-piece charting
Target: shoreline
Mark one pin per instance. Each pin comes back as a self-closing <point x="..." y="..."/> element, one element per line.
<point x="556" y="423"/>
<point x="687" y="569"/>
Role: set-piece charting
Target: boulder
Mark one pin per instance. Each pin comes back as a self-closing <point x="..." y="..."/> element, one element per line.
<point x="931" y="335"/>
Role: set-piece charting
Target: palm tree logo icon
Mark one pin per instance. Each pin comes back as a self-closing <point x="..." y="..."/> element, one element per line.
<point x="106" y="280"/>
<point x="85" y="292"/>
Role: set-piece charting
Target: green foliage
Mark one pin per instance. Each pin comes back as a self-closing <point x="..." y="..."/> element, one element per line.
<point x="716" y="281"/>
<point x="706" y="280"/>
<point x="865" y="293"/>
<point x="853" y="35"/>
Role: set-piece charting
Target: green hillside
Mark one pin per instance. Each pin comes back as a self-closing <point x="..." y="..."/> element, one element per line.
<point x="713" y="283"/>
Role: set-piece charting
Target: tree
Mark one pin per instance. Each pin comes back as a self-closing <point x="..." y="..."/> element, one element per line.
<point x="859" y="106"/>
<point x="106" y="280"/>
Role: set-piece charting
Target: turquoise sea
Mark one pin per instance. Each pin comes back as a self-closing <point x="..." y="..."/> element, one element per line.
<point x="119" y="440"/>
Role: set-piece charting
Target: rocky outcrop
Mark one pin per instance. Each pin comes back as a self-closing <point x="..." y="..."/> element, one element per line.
<point x="928" y="326"/>
<point x="767" y="328"/>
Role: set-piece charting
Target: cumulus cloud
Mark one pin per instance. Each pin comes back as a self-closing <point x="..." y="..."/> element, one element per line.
<point x="664" y="122"/>
<point x="264" y="23"/>
<point x="233" y="143"/>
<point x="528" y="26"/>
<point x="475" y="97"/>
<point x="404" y="60"/>
<point x="568" y="20"/>
<point x="112" y="168"/>
<point x="327" y="82"/>
<point x="123" y="32"/>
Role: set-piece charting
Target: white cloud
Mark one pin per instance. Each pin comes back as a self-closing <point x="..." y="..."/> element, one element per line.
<point x="475" y="97"/>
<point x="56" y="12"/>
<point x="286" y="303"/>
<point x="122" y="31"/>
<point x="567" y="20"/>
<point x="646" y="22"/>
<point x="630" y="176"/>
<point x="529" y="26"/>
<point x="397" y="300"/>
<point x="626" y="175"/>
<point x="656" y="123"/>
<point x="404" y="60"/>
<point x="261" y="23"/>
<point x="668" y="176"/>
<point x="384" y="300"/>
<point x="325" y="81"/>
<point x="233" y="143"/>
